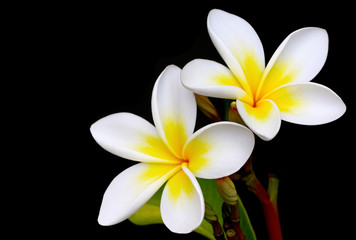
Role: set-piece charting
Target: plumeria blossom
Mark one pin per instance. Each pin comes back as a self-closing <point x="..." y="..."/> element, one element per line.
<point x="265" y="95"/>
<point x="170" y="153"/>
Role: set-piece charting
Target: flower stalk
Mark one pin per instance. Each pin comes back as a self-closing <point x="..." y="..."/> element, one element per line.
<point x="268" y="199"/>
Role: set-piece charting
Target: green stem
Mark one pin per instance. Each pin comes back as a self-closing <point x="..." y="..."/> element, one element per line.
<point x="268" y="200"/>
<point x="272" y="190"/>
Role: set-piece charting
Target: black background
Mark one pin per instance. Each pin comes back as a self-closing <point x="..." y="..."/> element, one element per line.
<point x="81" y="62"/>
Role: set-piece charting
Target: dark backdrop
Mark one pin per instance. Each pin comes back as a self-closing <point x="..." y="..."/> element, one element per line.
<point x="96" y="60"/>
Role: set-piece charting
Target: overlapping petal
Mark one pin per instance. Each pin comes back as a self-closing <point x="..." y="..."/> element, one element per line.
<point x="131" y="189"/>
<point x="239" y="46"/>
<point x="131" y="137"/>
<point x="174" y="109"/>
<point x="307" y="103"/>
<point x="299" y="58"/>
<point x="212" y="79"/>
<point x="182" y="203"/>
<point x="263" y="119"/>
<point x="166" y="156"/>
<point x="218" y="149"/>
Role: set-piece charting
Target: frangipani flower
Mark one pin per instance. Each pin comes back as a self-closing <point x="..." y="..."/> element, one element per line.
<point x="265" y="95"/>
<point x="169" y="152"/>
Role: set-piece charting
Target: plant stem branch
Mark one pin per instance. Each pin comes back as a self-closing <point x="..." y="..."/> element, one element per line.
<point x="267" y="199"/>
<point x="228" y="224"/>
<point x="235" y="219"/>
<point x="218" y="232"/>
<point x="211" y="217"/>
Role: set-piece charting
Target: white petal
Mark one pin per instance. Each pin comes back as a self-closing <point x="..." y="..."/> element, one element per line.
<point x="307" y="103"/>
<point x="174" y="109"/>
<point x="182" y="203"/>
<point x="219" y="149"/>
<point x="299" y="58"/>
<point x="132" y="137"/>
<point x="263" y="119"/>
<point x="239" y="46"/>
<point x="212" y="79"/>
<point x="131" y="189"/>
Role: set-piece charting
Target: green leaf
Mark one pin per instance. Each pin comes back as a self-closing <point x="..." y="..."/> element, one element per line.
<point x="150" y="212"/>
<point x="245" y="223"/>
<point x="212" y="196"/>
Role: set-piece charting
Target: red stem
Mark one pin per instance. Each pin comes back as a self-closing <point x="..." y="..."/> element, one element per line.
<point x="235" y="218"/>
<point x="270" y="209"/>
<point x="270" y="212"/>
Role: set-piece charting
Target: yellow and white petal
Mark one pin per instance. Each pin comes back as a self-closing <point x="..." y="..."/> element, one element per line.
<point x="219" y="149"/>
<point x="211" y="79"/>
<point x="174" y="109"/>
<point x="132" y="137"/>
<point x="299" y="58"/>
<point x="131" y="189"/>
<point x="239" y="46"/>
<point x="263" y="119"/>
<point x="307" y="103"/>
<point x="182" y="203"/>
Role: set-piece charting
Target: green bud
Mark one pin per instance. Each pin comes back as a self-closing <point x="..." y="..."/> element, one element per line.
<point x="227" y="190"/>
<point x="210" y="214"/>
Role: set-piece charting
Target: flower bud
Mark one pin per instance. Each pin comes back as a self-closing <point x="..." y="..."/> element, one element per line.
<point x="207" y="107"/>
<point x="227" y="190"/>
<point x="234" y="115"/>
<point x="210" y="214"/>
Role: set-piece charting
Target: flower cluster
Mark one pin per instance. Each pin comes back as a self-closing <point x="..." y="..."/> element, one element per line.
<point x="172" y="155"/>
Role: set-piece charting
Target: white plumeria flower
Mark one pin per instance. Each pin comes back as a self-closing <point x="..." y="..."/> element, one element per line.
<point x="168" y="151"/>
<point x="265" y="95"/>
